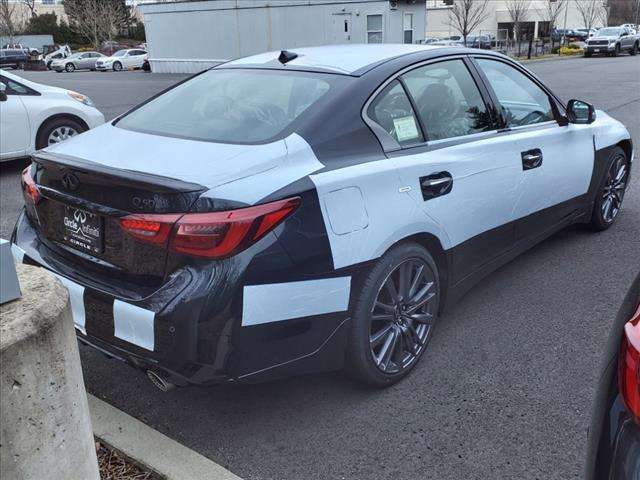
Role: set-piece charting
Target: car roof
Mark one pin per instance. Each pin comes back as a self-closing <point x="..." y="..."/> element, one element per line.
<point x="344" y="59"/>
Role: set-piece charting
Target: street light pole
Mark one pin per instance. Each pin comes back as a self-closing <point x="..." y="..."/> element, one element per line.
<point x="564" y="30"/>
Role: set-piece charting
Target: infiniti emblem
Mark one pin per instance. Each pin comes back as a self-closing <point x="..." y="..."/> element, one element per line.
<point x="70" y="181"/>
<point x="79" y="216"/>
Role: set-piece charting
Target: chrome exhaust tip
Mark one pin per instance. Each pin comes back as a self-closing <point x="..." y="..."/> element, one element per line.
<point x="159" y="381"/>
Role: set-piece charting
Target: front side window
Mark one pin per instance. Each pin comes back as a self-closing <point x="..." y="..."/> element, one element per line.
<point x="522" y="101"/>
<point x="392" y="110"/>
<point x="15" y="88"/>
<point x="408" y="28"/>
<point x="374" y="29"/>
<point x="447" y="99"/>
<point x="231" y="105"/>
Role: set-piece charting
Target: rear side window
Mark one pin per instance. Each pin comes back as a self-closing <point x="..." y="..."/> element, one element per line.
<point x="392" y="110"/>
<point x="522" y="101"/>
<point x="231" y="105"/>
<point x="447" y="99"/>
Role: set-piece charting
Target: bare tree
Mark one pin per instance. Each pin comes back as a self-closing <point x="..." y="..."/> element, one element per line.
<point x="114" y="16"/>
<point x="518" y="11"/>
<point x="12" y="22"/>
<point x="96" y="20"/>
<point x="605" y="14"/>
<point x="553" y="11"/>
<point x="467" y="15"/>
<point x="31" y="5"/>
<point x="590" y="11"/>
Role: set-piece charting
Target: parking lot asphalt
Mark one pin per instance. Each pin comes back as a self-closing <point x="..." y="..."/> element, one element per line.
<point x="504" y="391"/>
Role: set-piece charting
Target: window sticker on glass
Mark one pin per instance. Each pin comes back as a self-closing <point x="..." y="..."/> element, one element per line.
<point x="406" y="128"/>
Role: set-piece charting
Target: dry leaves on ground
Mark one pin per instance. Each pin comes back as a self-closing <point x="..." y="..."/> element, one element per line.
<point x="115" y="467"/>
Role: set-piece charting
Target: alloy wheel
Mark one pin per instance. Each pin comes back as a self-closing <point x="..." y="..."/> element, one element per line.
<point x="614" y="189"/>
<point x="61" y="134"/>
<point x="402" y="316"/>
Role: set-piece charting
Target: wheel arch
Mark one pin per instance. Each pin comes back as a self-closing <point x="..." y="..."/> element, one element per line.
<point x="432" y="244"/>
<point x="627" y="147"/>
<point x="57" y="116"/>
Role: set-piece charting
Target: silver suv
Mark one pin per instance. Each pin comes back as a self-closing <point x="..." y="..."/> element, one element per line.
<point x="612" y="41"/>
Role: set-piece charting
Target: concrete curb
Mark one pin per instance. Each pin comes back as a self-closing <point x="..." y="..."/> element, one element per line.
<point x="150" y="448"/>
<point x="548" y="59"/>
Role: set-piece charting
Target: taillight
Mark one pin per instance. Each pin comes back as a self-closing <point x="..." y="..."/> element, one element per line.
<point x="29" y="187"/>
<point x="629" y="366"/>
<point x="211" y="234"/>
<point x="150" y="228"/>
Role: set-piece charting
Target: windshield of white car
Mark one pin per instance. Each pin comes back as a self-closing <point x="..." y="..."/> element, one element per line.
<point x="609" y="32"/>
<point x="120" y="53"/>
<point x="240" y="106"/>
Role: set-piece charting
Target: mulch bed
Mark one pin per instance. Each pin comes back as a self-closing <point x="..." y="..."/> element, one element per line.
<point x="113" y="466"/>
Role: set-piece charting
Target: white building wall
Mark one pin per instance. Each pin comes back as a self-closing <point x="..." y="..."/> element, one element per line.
<point x="191" y="36"/>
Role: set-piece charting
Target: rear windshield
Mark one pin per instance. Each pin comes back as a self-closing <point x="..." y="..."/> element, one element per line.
<point x="232" y="105"/>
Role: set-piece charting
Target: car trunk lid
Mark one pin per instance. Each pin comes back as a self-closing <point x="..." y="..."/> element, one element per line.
<point x="81" y="206"/>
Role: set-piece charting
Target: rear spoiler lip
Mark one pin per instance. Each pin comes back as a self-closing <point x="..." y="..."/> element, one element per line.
<point x="160" y="183"/>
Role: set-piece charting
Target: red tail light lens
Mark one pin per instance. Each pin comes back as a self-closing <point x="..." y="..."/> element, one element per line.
<point x="222" y="234"/>
<point x="150" y="228"/>
<point x="629" y="365"/>
<point x="212" y="234"/>
<point x="29" y="188"/>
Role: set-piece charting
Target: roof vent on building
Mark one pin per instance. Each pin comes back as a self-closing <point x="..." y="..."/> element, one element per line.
<point x="286" y="56"/>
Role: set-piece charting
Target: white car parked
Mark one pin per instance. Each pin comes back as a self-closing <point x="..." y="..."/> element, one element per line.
<point x="33" y="116"/>
<point x="122" y="59"/>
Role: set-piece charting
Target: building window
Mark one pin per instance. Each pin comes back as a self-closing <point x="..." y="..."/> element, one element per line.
<point x="374" y="29"/>
<point x="408" y="28"/>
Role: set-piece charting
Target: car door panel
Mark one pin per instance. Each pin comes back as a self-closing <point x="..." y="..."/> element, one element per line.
<point x="84" y="61"/>
<point x="14" y="127"/>
<point x="477" y="213"/>
<point x="563" y="170"/>
<point x="564" y="175"/>
<point x="475" y="171"/>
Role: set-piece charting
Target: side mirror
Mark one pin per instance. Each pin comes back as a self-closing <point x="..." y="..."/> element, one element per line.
<point x="624" y="34"/>
<point x="580" y="112"/>
<point x="3" y="92"/>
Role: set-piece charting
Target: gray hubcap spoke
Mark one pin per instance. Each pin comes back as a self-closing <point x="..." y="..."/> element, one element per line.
<point x="614" y="189"/>
<point x="401" y="316"/>
<point x="61" y="134"/>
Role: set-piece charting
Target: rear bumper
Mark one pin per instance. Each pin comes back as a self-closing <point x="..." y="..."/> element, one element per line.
<point x="189" y="330"/>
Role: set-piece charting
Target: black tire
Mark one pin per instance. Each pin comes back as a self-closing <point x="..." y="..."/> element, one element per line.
<point x="117" y="66"/>
<point x="634" y="49"/>
<point x="587" y="54"/>
<point x="600" y="220"/>
<point x="69" y="67"/>
<point x="361" y="363"/>
<point x="616" y="51"/>
<point x="42" y="140"/>
<point x="20" y="66"/>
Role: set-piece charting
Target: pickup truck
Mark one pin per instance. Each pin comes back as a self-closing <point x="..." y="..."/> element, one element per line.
<point x="612" y="41"/>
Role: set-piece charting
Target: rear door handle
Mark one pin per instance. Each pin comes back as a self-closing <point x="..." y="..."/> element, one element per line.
<point x="436" y="185"/>
<point x="531" y="159"/>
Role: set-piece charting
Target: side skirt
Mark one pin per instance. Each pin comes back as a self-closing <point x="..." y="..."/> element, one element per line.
<point x="581" y="210"/>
